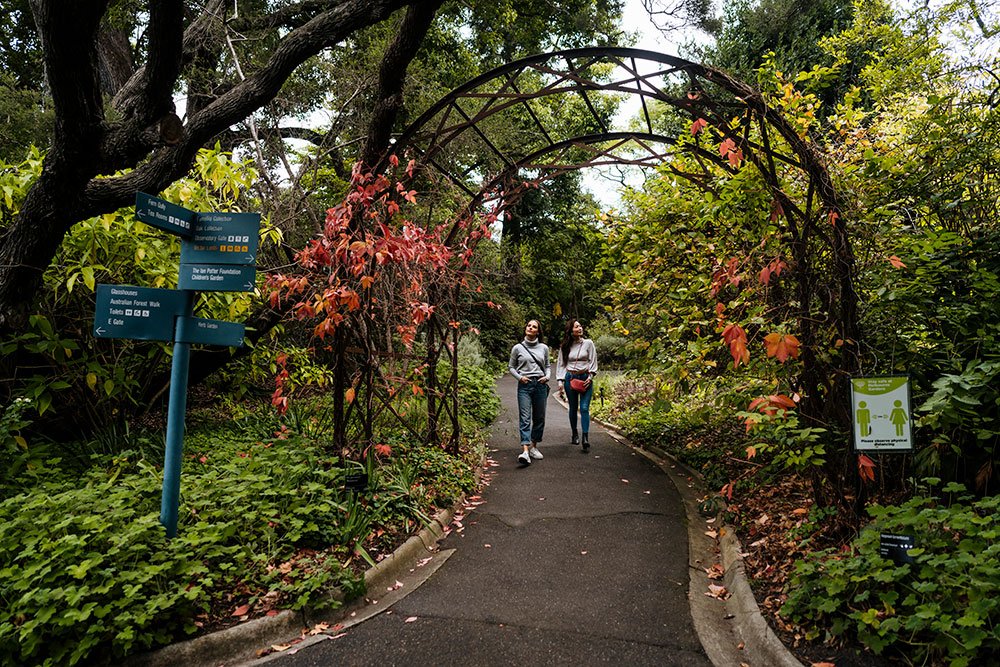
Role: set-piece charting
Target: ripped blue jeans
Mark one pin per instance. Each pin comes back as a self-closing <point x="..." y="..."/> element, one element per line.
<point x="531" y="397"/>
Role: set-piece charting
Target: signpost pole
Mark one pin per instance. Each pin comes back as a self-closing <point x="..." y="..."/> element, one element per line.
<point x="176" y="410"/>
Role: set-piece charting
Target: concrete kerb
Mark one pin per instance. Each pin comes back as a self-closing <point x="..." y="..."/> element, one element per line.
<point x="242" y="642"/>
<point x="741" y="635"/>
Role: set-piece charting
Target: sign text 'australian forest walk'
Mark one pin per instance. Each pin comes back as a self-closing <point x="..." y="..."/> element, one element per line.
<point x="141" y="313"/>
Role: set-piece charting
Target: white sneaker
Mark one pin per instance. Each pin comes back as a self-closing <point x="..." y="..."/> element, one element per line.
<point x="524" y="459"/>
<point x="535" y="454"/>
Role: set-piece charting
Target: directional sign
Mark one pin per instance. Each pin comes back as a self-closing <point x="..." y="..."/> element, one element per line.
<point x="140" y="313"/>
<point x="223" y="238"/>
<point x="217" y="277"/>
<point x="209" y="332"/>
<point x="163" y="215"/>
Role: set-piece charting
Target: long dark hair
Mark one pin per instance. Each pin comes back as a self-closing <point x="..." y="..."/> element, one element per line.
<point x="567" y="341"/>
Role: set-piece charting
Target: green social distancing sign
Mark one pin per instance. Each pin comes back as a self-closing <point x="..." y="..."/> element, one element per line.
<point x="880" y="407"/>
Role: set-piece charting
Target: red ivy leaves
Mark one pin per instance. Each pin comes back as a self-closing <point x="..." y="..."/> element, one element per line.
<point x="774" y="268"/>
<point x="736" y="338"/>
<point x="782" y="346"/>
<point x="866" y="468"/>
<point x="727" y="274"/>
<point x="729" y="150"/>
<point x="698" y="126"/>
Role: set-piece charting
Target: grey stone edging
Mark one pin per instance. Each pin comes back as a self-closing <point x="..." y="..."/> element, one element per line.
<point x="758" y="642"/>
<point x="242" y="642"/>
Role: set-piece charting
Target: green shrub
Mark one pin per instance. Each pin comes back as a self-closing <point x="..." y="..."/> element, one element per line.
<point x="477" y="399"/>
<point x="943" y="606"/>
<point x="88" y="573"/>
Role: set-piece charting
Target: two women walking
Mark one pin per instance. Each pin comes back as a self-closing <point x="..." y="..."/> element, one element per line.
<point x="575" y="370"/>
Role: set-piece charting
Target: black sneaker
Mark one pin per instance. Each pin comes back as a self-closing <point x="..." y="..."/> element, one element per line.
<point x="586" y="443"/>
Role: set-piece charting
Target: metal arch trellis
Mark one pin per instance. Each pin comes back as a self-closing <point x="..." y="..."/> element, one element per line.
<point x="508" y="128"/>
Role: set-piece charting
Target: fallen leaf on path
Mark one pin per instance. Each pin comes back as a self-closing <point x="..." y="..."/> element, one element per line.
<point x="625" y="480"/>
<point x="823" y="664"/>
<point x="242" y="610"/>
<point x="318" y="628"/>
<point x="281" y="647"/>
<point x="488" y="546"/>
<point x="342" y="634"/>
<point x="717" y="592"/>
<point x="411" y="619"/>
<point x="715" y="572"/>
<point x="712" y="534"/>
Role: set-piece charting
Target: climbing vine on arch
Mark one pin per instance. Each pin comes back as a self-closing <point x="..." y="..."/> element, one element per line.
<point x="379" y="295"/>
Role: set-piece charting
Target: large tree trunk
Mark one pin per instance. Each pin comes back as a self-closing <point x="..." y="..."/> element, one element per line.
<point x="147" y="140"/>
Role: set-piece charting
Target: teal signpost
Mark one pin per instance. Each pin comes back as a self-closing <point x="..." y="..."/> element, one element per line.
<point x="218" y="253"/>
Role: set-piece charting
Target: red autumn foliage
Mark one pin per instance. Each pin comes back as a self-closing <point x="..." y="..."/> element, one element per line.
<point x="782" y="346"/>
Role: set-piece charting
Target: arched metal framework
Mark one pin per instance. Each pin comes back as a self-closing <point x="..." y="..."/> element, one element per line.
<point x="541" y="116"/>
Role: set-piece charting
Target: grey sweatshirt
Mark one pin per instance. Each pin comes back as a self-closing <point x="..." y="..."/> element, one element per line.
<point x="521" y="363"/>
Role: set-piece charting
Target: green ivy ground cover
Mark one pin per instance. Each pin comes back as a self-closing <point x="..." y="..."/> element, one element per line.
<point x="86" y="574"/>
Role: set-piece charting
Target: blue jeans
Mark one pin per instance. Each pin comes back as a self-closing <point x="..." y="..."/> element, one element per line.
<point x="583" y="398"/>
<point x="531" y="397"/>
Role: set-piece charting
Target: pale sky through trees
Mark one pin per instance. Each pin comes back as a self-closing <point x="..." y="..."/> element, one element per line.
<point x="605" y="183"/>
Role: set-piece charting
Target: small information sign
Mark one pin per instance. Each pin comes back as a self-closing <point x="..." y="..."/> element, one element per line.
<point x="201" y="331"/>
<point x="894" y="547"/>
<point x="140" y="313"/>
<point x="163" y="215"/>
<point x="880" y="407"/>
<point x="356" y="482"/>
<point x="217" y="277"/>
<point x="223" y="238"/>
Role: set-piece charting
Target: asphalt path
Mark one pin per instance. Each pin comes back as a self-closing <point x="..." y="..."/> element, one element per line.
<point x="577" y="559"/>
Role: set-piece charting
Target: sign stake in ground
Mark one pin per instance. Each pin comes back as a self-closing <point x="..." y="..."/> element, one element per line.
<point x="218" y="253"/>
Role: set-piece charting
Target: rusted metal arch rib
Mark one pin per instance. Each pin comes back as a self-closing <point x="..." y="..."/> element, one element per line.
<point x="693" y="70"/>
<point x="564" y="145"/>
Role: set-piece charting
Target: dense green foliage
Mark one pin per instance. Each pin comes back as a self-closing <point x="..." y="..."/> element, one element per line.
<point x="73" y="379"/>
<point x="910" y="132"/>
<point x="265" y="522"/>
<point x="943" y="606"/>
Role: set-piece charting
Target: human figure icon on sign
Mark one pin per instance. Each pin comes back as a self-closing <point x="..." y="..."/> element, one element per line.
<point x="864" y="417"/>
<point x="898" y="417"/>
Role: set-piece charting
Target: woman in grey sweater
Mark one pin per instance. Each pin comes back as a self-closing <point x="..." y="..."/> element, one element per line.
<point x="529" y="363"/>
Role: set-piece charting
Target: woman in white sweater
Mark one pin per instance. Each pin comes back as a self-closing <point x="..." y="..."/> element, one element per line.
<point x="577" y="361"/>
